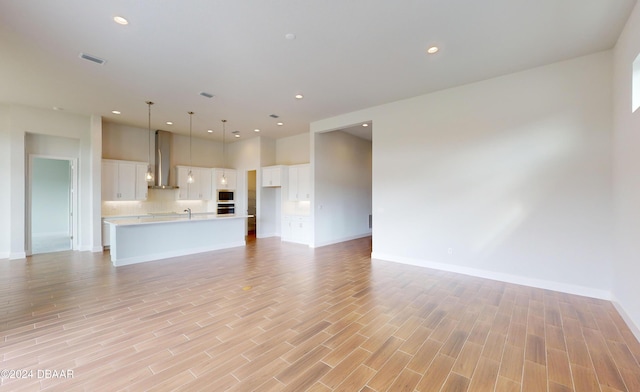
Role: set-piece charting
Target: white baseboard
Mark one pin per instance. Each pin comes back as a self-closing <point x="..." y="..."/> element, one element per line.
<point x="4" y="255"/>
<point x="338" y="240"/>
<point x="502" y="277"/>
<point x="267" y="235"/>
<point x="97" y="249"/>
<point x="17" y="255"/>
<point x="635" y="330"/>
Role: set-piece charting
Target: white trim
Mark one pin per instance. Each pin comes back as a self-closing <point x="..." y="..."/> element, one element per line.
<point x="262" y="235"/>
<point x="502" y="277"/>
<point x="17" y="255"/>
<point x="97" y="249"/>
<point x="635" y="330"/>
<point x="184" y="252"/>
<point x="338" y="240"/>
<point x="4" y="255"/>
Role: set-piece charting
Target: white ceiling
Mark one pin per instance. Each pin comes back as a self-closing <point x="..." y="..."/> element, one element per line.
<point x="347" y="55"/>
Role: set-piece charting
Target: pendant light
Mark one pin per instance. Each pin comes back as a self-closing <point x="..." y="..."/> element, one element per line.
<point x="149" y="174"/>
<point x="223" y="180"/>
<point x="190" y="175"/>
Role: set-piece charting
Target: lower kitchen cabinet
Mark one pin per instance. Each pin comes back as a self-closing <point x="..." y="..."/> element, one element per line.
<point x="296" y="228"/>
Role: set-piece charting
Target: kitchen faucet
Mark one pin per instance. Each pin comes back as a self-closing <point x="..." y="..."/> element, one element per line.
<point x="188" y="211"/>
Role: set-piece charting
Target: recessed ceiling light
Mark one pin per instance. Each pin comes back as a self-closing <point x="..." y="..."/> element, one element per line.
<point x="57" y="108"/>
<point x="115" y="111"/>
<point x="169" y="123"/>
<point x="120" y="20"/>
<point x="256" y="130"/>
<point x="236" y="135"/>
<point x="210" y="130"/>
<point x="299" y="96"/>
<point x="433" y="49"/>
<point x="290" y="36"/>
<point x="280" y="123"/>
<point x="365" y="125"/>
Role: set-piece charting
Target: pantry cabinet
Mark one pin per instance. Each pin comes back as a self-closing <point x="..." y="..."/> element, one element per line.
<point x="299" y="183"/>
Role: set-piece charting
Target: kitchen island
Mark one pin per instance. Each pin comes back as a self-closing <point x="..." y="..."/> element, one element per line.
<point x="136" y="240"/>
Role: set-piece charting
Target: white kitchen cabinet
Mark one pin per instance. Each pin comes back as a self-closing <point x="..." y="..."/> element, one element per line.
<point x="272" y="176"/>
<point x="229" y="181"/>
<point x="199" y="189"/>
<point x="299" y="182"/>
<point x="123" y="180"/>
<point x="296" y="228"/>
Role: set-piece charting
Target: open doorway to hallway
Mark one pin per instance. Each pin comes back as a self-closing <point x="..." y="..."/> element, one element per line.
<point x="251" y="202"/>
<point x="51" y="206"/>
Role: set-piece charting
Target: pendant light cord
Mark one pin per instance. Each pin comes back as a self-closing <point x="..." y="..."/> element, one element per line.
<point x="190" y="157"/>
<point x="224" y="153"/>
<point x="149" y="173"/>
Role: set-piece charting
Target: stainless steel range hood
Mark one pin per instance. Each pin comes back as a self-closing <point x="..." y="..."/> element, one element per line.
<point x="163" y="160"/>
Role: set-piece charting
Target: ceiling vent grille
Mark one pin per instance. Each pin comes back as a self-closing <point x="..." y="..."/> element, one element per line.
<point x="274" y="116"/>
<point x="207" y="95"/>
<point x="94" y="59"/>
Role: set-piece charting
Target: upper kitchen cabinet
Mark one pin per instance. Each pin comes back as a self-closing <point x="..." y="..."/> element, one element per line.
<point x="225" y="179"/>
<point x="199" y="189"/>
<point x="299" y="182"/>
<point x="123" y="180"/>
<point x="272" y="176"/>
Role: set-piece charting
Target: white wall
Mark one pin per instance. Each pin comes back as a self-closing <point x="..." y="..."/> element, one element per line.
<point x="342" y="187"/>
<point x="626" y="175"/>
<point x="512" y="173"/>
<point x="131" y="144"/>
<point x="5" y="175"/>
<point x="23" y="120"/>
<point x="293" y="150"/>
<point x="269" y="202"/>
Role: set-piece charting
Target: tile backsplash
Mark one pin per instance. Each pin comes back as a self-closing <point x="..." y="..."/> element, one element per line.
<point x="158" y="201"/>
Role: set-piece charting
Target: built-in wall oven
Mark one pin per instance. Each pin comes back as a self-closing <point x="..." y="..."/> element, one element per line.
<point x="226" y="209"/>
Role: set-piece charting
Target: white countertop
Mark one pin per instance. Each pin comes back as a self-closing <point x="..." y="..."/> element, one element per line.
<point x="169" y="218"/>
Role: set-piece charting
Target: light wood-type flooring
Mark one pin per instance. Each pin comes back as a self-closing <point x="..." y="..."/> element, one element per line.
<point x="283" y="317"/>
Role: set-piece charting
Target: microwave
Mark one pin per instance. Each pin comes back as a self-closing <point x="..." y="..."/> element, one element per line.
<point x="225" y="196"/>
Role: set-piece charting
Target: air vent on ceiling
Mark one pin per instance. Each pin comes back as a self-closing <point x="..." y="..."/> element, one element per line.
<point x="95" y="59"/>
<point x="207" y="95"/>
<point x="274" y="116"/>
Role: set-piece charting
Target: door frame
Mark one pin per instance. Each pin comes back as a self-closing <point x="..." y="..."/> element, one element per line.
<point x="73" y="200"/>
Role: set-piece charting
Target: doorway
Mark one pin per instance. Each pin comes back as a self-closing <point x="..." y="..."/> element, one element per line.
<point x="251" y="202"/>
<point x="52" y="204"/>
